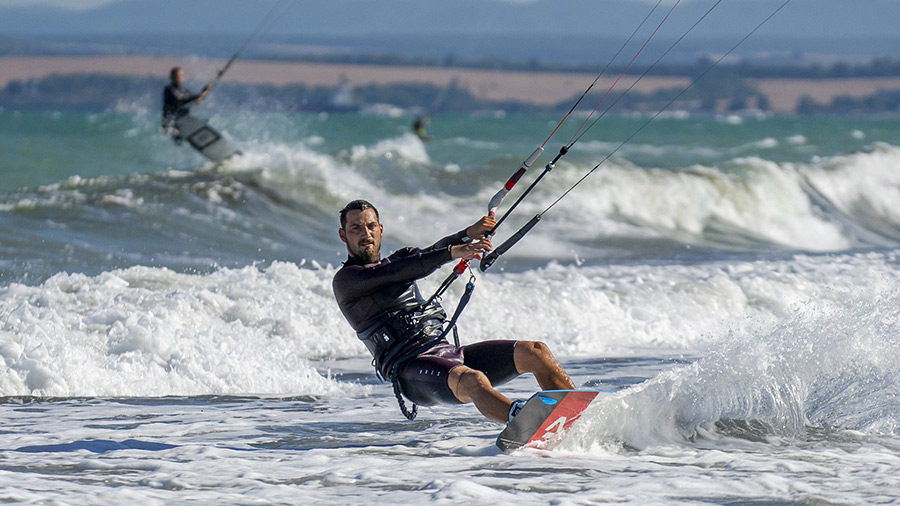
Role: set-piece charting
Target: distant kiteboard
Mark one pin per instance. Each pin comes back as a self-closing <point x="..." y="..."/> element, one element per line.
<point x="545" y="418"/>
<point x="205" y="139"/>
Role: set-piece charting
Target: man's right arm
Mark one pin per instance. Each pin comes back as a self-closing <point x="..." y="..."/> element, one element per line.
<point x="409" y="264"/>
<point x="405" y="266"/>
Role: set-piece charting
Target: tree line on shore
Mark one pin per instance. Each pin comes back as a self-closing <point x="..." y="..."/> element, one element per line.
<point x="748" y="69"/>
<point x="727" y="89"/>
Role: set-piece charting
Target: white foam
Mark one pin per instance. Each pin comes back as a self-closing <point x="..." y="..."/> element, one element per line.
<point x="823" y="360"/>
<point x="864" y="186"/>
<point x="150" y="332"/>
<point x="749" y="202"/>
<point x="407" y="147"/>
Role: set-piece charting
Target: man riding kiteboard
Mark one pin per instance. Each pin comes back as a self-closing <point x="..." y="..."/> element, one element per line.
<point x="406" y="335"/>
<point x="177" y="101"/>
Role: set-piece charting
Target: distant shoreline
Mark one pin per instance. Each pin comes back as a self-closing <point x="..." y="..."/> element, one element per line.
<point x="539" y="88"/>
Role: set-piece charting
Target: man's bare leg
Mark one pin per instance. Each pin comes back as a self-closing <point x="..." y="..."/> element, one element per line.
<point x="470" y="385"/>
<point x="535" y="357"/>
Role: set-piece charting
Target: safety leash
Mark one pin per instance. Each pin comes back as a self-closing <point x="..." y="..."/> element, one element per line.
<point x="395" y="380"/>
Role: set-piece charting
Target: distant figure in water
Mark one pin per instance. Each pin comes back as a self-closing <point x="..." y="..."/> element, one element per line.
<point x="177" y="101"/>
<point x="419" y="128"/>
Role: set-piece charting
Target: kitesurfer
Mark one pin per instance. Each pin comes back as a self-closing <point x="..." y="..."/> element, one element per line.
<point x="380" y="300"/>
<point x="177" y="100"/>
<point x="419" y="125"/>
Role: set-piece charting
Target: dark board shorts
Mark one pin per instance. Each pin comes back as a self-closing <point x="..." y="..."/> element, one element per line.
<point x="423" y="379"/>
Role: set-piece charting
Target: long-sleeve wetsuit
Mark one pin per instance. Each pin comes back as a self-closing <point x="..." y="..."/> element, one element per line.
<point x="175" y="103"/>
<point x="368" y="293"/>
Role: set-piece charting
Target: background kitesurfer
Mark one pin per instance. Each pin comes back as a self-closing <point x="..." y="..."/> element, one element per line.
<point x="177" y="100"/>
<point x="380" y="300"/>
<point x="419" y="126"/>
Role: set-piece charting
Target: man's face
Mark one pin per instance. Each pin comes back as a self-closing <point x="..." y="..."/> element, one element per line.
<point x="178" y="78"/>
<point x="362" y="234"/>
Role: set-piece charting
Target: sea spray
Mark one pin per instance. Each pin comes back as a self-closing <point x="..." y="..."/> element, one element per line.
<point x="827" y="366"/>
<point x="152" y="332"/>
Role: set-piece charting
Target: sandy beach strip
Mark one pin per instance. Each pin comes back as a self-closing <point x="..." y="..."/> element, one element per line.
<point x="783" y="94"/>
<point x="542" y="88"/>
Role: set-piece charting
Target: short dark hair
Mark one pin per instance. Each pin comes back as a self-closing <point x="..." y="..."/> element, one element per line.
<point x="357" y="205"/>
<point x="173" y="72"/>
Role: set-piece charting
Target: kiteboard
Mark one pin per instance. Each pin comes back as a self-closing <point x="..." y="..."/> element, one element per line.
<point x="204" y="138"/>
<point x="545" y="418"/>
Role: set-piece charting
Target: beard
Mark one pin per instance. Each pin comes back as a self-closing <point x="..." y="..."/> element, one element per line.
<point x="369" y="253"/>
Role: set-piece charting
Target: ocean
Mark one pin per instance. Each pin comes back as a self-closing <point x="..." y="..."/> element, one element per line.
<point x="168" y="332"/>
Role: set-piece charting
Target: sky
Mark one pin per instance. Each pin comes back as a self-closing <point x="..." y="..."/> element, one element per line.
<point x="831" y="22"/>
<point x="68" y="4"/>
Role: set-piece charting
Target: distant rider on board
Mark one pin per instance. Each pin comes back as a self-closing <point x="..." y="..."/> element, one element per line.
<point x="419" y="126"/>
<point x="177" y="101"/>
<point x="380" y="300"/>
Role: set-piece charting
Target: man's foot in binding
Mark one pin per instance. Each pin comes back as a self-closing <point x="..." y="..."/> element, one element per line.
<point x="514" y="409"/>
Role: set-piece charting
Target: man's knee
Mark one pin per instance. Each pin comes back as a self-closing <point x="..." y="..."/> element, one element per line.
<point x="535" y="357"/>
<point x="532" y="354"/>
<point x="468" y="382"/>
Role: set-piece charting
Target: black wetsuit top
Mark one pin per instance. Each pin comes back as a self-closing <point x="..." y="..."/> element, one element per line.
<point x="366" y="292"/>
<point x="176" y="102"/>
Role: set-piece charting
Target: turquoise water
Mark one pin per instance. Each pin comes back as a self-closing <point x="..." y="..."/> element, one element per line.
<point x="110" y="190"/>
<point x="46" y="147"/>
